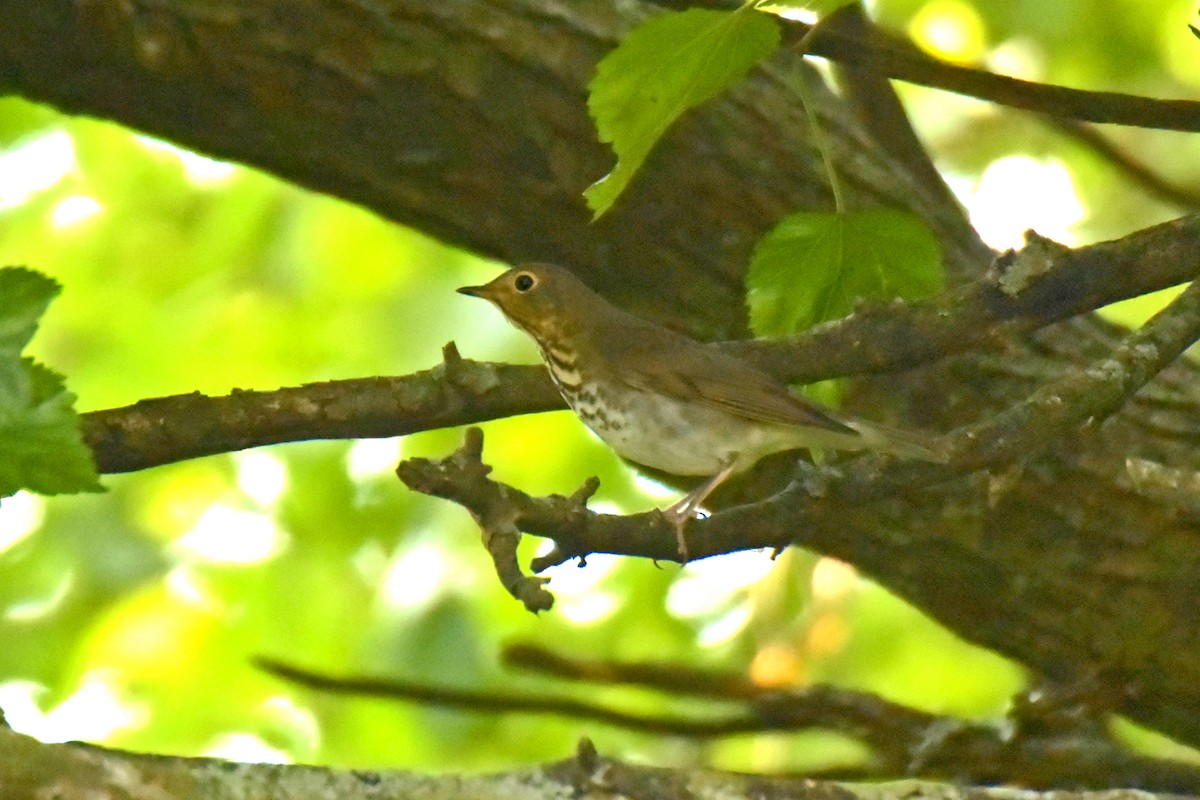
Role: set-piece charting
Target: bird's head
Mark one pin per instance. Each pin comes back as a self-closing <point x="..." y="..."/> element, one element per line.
<point x="541" y="299"/>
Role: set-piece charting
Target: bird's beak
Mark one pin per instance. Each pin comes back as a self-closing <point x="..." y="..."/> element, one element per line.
<point x="488" y="291"/>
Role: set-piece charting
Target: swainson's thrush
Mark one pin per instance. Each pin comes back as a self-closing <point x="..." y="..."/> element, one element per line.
<point x="663" y="400"/>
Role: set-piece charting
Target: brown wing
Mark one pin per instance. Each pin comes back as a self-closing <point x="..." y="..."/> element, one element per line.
<point x="679" y="367"/>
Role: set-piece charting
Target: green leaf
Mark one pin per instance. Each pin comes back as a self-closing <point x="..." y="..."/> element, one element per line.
<point x="813" y="267"/>
<point x="817" y="8"/>
<point x="24" y="296"/>
<point x="40" y="444"/>
<point x="664" y="67"/>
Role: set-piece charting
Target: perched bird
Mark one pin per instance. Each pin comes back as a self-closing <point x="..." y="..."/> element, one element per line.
<point x="664" y="400"/>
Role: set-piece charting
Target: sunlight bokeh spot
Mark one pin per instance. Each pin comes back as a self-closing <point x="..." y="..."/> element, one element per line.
<point x="74" y="209"/>
<point x="950" y="29"/>
<point x="415" y="576"/>
<point x="35" y="608"/>
<point x="183" y="584"/>
<point x="827" y="634"/>
<point x="245" y="748"/>
<point x="586" y="609"/>
<point x="705" y="587"/>
<point x="202" y="170"/>
<point x="299" y="722"/>
<point x="262" y="476"/>
<point x="800" y="13"/>
<point x="175" y="499"/>
<point x="655" y="489"/>
<point x="35" y="165"/>
<point x="579" y="597"/>
<point x="20" y="515"/>
<point x="833" y="579"/>
<point x="776" y="664"/>
<point x="197" y="169"/>
<point x="1016" y="193"/>
<point x="371" y="458"/>
<point x="224" y="534"/>
<point x="1020" y="57"/>
<point x="724" y="627"/>
<point x="571" y="579"/>
<point x="93" y="712"/>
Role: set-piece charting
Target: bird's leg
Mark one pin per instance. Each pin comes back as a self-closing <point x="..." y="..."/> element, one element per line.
<point x="682" y="511"/>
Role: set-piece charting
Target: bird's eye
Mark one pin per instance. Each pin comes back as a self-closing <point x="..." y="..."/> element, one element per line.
<point x="524" y="282"/>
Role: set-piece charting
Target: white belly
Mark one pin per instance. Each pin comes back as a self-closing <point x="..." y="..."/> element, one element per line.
<point x="696" y="440"/>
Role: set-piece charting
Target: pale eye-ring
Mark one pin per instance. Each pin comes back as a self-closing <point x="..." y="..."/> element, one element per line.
<point x="524" y="282"/>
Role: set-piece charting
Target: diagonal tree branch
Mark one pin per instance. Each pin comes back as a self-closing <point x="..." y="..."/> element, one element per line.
<point x="895" y="57"/>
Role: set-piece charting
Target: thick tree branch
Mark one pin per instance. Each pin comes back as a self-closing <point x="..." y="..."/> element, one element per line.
<point x="457" y="392"/>
<point x="31" y="770"/>
<point x="1058" y="283"/>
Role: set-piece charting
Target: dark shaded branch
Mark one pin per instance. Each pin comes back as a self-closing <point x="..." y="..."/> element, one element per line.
<point x="707" y="726"/>
<point x="672" y="678"/>
<point x="905" y="742"/>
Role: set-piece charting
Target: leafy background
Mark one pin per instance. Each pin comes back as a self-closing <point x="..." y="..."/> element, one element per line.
<point x="130" y="618"/>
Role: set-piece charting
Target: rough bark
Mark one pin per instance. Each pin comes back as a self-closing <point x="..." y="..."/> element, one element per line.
<point x="30" y="770"/>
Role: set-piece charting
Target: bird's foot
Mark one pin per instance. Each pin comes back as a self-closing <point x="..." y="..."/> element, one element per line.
<point x="678" y="516"/>
<point x="689" y="507"/>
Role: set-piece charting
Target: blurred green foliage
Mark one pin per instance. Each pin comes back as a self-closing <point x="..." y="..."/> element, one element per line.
<point x="131" y="617"/>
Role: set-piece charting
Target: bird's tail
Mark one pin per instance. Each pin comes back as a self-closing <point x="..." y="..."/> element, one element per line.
<point x="906" y="444"/>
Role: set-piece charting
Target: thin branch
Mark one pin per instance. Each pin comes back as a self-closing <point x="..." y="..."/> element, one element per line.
<point x="500" y="702"/>
<point x="1138" y="173"/>
<point x="878" y="109"/>
<point x="906" y="742"/>
<point x="895" y="57"/>
<point x="497" y="524"/>
<point x="674" y="678"/>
